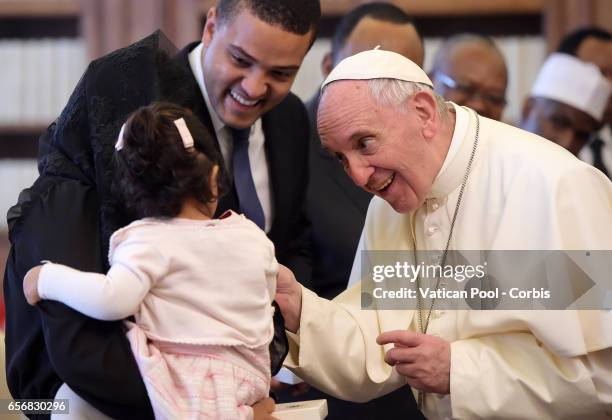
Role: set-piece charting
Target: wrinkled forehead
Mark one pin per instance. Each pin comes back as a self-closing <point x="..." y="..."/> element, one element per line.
<point x="340" y="99"/>
<point x="344" y="107"/>
<point x="343" y="90"/>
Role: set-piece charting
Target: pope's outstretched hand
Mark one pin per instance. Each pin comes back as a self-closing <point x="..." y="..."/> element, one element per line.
<point x="289" y="298"/>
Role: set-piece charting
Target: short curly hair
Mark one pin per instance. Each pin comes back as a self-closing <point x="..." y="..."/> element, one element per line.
<point x="295" y="16"/>
<point x="154" y="172"/>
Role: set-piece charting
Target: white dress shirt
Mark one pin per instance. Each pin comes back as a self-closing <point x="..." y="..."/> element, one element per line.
<point x="586" y="154"/>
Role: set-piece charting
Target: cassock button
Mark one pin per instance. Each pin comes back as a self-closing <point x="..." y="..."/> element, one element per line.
<point x="437" y="314"/>
<point x="435" y="205"/>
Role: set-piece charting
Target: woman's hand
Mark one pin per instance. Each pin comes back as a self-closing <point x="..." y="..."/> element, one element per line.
<point x="30" y="285"/>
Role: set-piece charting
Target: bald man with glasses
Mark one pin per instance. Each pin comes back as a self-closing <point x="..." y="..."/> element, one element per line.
<point x="470" y="70"/>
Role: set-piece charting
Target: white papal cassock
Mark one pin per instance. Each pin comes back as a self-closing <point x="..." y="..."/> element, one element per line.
<point x="524" y="193"/>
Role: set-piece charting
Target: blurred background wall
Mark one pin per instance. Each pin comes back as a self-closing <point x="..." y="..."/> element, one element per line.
<point x="46" y="44"/>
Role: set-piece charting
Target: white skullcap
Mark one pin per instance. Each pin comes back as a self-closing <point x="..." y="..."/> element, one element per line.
<point x="377" y="64"/>
<point x="566" y="79"/>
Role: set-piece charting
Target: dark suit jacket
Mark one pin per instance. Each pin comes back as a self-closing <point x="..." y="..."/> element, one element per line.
<point x="69" y="213"/>
<point x="337" y="209"/>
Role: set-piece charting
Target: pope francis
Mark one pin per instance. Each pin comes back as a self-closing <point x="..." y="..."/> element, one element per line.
<point x="445" y="178"/>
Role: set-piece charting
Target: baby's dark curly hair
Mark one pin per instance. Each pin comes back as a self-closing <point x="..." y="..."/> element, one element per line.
<point x="154" y="172"/>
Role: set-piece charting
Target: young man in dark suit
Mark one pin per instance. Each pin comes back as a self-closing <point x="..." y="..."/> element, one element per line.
<point x="237" y="78"/>
<point x="594" y="45"/>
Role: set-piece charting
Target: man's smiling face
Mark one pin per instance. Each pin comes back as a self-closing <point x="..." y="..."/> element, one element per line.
<point x="249" y="65"/>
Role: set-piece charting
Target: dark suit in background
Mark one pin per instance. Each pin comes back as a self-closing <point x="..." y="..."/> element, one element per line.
<point x="69" y="213"/>
<point x="337" y="210"/>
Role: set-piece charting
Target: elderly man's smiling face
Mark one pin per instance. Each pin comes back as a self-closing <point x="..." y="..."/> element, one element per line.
<point x="387" y="150"/>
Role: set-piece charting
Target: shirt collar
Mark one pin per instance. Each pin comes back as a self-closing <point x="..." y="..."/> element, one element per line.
<point x="195" y="62"/>
<point x="458" y="155"/>
<point x="605" y="134"/>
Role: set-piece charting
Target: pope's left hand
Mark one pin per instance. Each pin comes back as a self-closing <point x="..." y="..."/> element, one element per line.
<point x="423" y="359"/>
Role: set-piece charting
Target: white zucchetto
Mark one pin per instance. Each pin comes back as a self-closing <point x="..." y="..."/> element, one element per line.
<point x="566" y="79"/>
<point x="377" y="64"/>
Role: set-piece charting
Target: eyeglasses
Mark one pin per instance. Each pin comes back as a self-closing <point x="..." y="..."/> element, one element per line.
<point x="471" y="91"/>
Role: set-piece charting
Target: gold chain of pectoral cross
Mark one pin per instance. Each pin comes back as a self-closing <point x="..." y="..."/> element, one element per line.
<point x="420" y="303"/>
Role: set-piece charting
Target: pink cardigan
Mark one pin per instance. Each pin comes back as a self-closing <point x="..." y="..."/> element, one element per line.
<point x="185" y="281"/>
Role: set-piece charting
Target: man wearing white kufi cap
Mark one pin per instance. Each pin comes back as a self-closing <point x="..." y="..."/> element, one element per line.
<point x="567" y="102"/>
<point x="446" y="178"/>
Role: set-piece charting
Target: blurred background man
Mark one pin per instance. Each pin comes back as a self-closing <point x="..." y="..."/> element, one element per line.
<point x="567" y="102"/>
<point x="594" y="45"/>
<point x="331" y="194"/>
<point x="470" y="70"/>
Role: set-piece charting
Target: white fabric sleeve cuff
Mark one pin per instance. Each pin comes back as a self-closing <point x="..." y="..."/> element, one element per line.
<point x="106" y="297"/>
<point x="285" y="376"/>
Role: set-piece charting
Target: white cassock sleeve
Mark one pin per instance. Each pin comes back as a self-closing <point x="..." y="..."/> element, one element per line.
<point x="560" y="365"/>
<point x="336" y="350"/>
<point x="514" y="375"/>
<point x="111" y="296"/>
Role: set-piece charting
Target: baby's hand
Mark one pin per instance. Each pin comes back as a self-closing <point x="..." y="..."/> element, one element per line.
<point x="263" y="409"/>
<point x="30" y="285"/>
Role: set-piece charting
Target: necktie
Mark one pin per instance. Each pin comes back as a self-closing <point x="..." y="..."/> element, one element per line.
<point x="598" y="162"/>
<point x="243" y="179"/>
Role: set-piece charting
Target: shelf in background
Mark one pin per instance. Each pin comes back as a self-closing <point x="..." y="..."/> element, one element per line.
<point x="444" y="7"/>
<point x="20" y="141"/>
<point x="39" y="8"/>
<point x="441" y="18"/>
<point x="429" y="7"/>
<point x="31" y="19"/>
<point x="7" y="129"/>
<point x="32" y="8"/>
